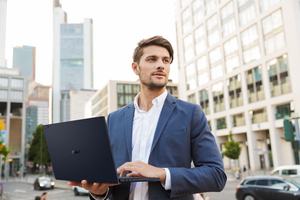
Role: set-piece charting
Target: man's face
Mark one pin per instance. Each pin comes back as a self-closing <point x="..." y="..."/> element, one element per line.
<point x="154" y="67"/>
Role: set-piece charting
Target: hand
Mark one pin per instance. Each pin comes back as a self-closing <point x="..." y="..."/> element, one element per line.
<point x="141" y="169"/>
<point x="94" y="188"/>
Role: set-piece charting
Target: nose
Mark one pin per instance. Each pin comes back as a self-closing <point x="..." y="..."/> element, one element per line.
<point x="160" y="65"/>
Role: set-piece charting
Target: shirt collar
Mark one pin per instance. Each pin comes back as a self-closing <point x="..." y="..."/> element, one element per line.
<point x="157" y="101"/>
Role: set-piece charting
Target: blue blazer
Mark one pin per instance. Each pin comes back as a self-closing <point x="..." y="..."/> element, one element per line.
<point x="182" y="136"/>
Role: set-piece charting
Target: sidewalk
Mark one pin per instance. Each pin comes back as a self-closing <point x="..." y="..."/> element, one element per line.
<point x="231" y="174"/>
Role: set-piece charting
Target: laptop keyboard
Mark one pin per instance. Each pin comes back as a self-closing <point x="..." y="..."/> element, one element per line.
<point x="128" y="179"/>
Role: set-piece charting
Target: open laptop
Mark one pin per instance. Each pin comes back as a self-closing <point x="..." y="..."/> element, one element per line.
<point x="80" y="150"/>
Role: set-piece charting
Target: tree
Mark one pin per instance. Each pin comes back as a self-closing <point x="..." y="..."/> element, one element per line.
<point x="3" y="150"/>
<point x="38" y="150"/>
<point x="232" y="149"/>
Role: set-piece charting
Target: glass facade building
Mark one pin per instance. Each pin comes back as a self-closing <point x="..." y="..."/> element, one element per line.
<point x="24" y="61"/>
<point x="239" y="62"/>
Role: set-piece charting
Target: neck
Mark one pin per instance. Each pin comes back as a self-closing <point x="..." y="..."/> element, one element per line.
<point x="146" y="96"/>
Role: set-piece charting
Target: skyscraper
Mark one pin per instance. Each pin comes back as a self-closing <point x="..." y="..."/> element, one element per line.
<point x="239" y="59"/>
<point x="72" y="61"/>
<point x="3" y="5"/>
<point x="24" y="61"/>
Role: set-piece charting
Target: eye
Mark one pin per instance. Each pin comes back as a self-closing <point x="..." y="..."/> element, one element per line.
<point x="166" y="60"/>
<point x="151" y="59"/>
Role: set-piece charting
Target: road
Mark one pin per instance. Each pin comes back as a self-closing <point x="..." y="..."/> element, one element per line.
<point x="228" y="193"/>
<point x="24" y="191"/>
<point x="16" y="190"/>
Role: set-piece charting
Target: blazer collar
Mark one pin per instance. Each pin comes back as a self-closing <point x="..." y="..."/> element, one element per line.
<point x="128" y="122"/>
<point x="166" y="112"/>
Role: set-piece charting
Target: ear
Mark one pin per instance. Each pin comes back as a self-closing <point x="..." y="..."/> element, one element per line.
<point x="135" y="67"/>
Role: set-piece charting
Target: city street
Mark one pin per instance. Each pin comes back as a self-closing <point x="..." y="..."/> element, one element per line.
<point x="16" y="190"/>
<point x="228" y="193"/>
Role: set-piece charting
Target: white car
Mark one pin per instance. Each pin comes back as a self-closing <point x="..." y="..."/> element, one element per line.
<point x="287" y="171"/>
<point x="79" y="191"/>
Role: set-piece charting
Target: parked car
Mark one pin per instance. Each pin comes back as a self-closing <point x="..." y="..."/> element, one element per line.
<point x="43" y="182"/>
<point x="287" y="171"/>
<point x="268" y="188"/>
<point x="79" y="191"/>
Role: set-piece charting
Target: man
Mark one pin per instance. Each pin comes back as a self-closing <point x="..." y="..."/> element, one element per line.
<point x="160" y="136"/>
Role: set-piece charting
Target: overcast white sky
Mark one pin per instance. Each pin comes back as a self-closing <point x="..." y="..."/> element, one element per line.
<point x="118" y="26"/>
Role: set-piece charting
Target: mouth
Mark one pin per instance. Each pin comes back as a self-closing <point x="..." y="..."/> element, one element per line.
<point x="159" y="74"/>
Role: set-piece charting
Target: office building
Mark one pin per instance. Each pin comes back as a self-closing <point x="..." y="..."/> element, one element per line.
<point x="12" y="113"/>
<point x="37" y="108"/>
<point x="239" y="60"/>
<point x="72" y="60"/>
<point x="24" y="61"/>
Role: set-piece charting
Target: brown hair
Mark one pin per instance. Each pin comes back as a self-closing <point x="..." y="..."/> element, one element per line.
<point x="155" y="40"/>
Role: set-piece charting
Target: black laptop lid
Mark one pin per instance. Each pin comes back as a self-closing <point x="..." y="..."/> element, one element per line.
<point x="80" y="150"/>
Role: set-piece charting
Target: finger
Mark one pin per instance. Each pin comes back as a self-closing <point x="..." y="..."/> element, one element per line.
<point x="85" y="185"/>
<point x="74" y="183"/>
<point x="134" y="174"/>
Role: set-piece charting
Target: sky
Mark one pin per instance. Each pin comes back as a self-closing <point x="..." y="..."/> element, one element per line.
<point x="118" y="25"/>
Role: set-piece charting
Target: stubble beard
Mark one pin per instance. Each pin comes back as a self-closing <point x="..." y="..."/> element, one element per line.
<point x="151" y="85"/>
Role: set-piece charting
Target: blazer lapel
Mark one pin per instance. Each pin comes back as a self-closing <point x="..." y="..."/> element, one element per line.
<point x="164" y="117"/>
<point x="128" y="122"/>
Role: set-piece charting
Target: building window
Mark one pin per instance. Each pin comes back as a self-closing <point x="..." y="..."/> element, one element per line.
<point x="203" y="78"/>
<point x="238" y="120"/>
<point x="218" y="97"/>
<point x="204" y="101"/>
<point x="228" y="19"/>
<point x="184" y="3"/>
<point x="198" y="11"/>
<point x="259" y="116"/>
<point x="3" y="94"/>
<point x="189" y="52"/>
<point x="283" y="110"/>
<point x="120" y="88"/>
<point x="279" y="76"/>
<point x="250" y="44"/>
<point x="192" y="98"/>
<point x="247" y="11"/>
<point x="3" y="82"/>
<point x="221" y="123"/>
<point x="202" y="63"/>
<point x="191" y="76"/>
<point x="217" y="71"/>
<point x="210" y="6"/>
<point x="231" y="54"/>
<point x="187" y="20"/>
<point x="200" y="40"/>
<point x="216" y="66"/>
<point x="266" y="4"/>
<point x="273" y="32"/>
<point x="16" y="83"/>
<point x="16" y="95"/>
<point x="126" y="94"/>
<point x="213" y="33"/>
<point x="255" y="85"/>
<point x="235" y="91"/>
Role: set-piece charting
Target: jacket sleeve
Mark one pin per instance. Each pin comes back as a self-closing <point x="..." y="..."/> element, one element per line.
<point x="208" y="174"/>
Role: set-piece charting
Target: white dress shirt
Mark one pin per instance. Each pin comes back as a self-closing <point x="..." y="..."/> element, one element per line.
<point x="144" y="126"/>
